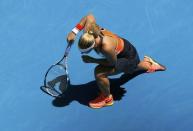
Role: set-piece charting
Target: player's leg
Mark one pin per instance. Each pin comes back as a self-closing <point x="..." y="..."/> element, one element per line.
<point x="150" y="65"/>
<point x="101" y="76"/>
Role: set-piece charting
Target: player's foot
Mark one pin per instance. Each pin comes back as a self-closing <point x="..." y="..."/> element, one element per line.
<point x="101" y="101"/>
<point x="155" y="66"/>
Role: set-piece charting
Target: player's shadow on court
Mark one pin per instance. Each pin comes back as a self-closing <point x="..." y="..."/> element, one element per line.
<point x="85" y="92"/>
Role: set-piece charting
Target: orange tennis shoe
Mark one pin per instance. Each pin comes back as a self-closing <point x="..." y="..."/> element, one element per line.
<point x="101" y="101"/>
<point x="155" y="66"/>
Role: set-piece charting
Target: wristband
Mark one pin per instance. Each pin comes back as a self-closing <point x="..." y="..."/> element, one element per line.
<point x="77" y="28"/>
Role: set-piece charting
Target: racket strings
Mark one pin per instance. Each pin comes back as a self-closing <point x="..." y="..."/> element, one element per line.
<point x="56" y="79"/>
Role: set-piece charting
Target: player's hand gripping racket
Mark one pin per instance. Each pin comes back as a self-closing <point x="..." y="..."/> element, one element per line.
<point x="56" y="80"/>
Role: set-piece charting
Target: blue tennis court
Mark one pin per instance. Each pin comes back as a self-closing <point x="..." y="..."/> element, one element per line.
<point x="33" y="36"/>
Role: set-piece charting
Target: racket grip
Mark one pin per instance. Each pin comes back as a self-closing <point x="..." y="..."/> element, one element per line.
<point x="67" y="50"/>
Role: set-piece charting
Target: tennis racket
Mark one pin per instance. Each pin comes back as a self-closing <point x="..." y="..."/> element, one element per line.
<point x="56" y="79"/>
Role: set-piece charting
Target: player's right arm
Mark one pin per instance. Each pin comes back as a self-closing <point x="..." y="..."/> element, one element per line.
<point x="86" y="24"/>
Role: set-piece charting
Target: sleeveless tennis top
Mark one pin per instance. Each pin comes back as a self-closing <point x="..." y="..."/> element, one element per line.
<point x="120" y="42"/>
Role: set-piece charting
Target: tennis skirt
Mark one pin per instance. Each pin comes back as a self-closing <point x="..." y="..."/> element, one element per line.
<point x="128" y="59"/>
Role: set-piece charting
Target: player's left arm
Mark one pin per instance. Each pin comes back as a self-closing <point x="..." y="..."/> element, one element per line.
<point x="109" y="60"/>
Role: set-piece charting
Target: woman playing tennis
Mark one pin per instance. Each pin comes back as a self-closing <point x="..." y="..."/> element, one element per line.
<point x="120" y="56"/>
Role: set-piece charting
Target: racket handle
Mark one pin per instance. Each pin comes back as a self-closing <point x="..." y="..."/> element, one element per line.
<point x="67" y="49"/>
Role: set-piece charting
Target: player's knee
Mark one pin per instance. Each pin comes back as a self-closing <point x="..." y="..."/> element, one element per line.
<point x="98" y="75"/>
<point x="98" y="72"/>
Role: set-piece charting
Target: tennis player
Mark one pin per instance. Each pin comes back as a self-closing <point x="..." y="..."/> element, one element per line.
<point x="120" y="56"/>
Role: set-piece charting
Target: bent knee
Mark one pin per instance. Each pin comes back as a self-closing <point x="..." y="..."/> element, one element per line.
<point x="103" y="71"/>
<point x="98" y="72"/>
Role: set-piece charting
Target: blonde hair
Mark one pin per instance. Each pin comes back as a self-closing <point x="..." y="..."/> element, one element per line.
<point x="86" y="41"/>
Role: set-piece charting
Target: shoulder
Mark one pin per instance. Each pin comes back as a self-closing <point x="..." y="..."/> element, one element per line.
<point x="107" y="44"/>
<point x="106" y="40"/>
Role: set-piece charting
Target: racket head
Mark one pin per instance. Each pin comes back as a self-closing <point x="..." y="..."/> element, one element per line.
<point x="56" y="80"/>
<point x="50" y="91"/>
